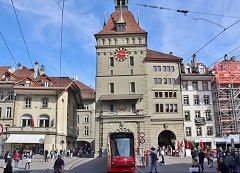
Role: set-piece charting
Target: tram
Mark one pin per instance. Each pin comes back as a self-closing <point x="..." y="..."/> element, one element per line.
<point x="121" y="152"/>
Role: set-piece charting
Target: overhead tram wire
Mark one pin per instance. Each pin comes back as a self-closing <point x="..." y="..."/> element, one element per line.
<point x="185" y="12"/>
<point x="19" y="25"/>
<point x="210" y="41"/>
<point x="10" y="52"/>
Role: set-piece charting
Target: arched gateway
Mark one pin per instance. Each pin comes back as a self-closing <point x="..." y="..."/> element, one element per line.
<point x="166" y="138"/>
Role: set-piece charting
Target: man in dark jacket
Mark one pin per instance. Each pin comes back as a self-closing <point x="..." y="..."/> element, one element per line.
<point x="194" y="153"/>
<point x="154" y="159"/>
<point x="201" y="157"/>
<point x="222" y="168"/>
<point x="46" y="155"/>
<point x="58" y="165"/>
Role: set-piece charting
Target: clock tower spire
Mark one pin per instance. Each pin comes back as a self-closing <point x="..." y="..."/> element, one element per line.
<point x="124" y="5"/>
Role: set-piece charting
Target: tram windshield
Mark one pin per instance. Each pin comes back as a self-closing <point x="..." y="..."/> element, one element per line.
<point x="122" y="145"/>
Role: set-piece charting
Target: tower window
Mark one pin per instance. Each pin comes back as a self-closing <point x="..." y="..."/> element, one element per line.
<point x="131" y="61"/>
<point x="111" y="87"/>
<point x="111" y="62"/>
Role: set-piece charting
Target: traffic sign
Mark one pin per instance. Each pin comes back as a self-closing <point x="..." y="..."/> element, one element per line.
<point x="141" y="134"/>
<point x="1" y="129"/>
<point x="142" y="141"/>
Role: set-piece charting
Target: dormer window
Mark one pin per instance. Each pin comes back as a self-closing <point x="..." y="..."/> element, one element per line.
<point x="201" y="70"/>
<point x="7" y="77"/>
<point x="187" y="70"/>
<point x="46" y="83"/>
<point x="27" y="84"/>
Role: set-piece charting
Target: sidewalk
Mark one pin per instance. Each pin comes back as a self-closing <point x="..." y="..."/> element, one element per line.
<point x="38" y="164"/>
<point x="176" y="164"/>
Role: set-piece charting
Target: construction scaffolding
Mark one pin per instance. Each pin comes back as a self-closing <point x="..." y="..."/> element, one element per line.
<point x="227" y="100"/>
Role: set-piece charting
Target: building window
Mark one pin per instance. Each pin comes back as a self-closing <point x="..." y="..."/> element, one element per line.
<point x="167" y="107"/>
<point x="201" y="70"/>
<point x="175" y="108"/>
<point x="10" y="96"/>
<point x="111" y="62"/>
<point x="195" y="85"/>
<point x="173" y="81"/>
<point x="116" y="41"/>
<point x="159" y="68"/>
<point x="154" y="68"/>
<point x="133" y="108"/>
<point x="103" y="41"/>
<point x="168" y="68"/>
<point x="109" y="41"/>
<point x="165" y="80"/>
<point x="27" y="102"/>
<point x="131" y="61"/>
<point x="27" y="83"/>
<point x="185" y="86"/>
<point x="86" y="131"/>
<point x="187" y="115"/>
<point x="170" y="94"/>
<point x="26" y="120"/>
<point x="111" y="108"/>
<point x="46" y="83"/>
<point x="157" y="107"/>
<point x="131" y="71"/>
<point x="86" y="119"/>
<point x="133" y="87"/>
<point x="205" y="85"/>
<point x="209" y="131"/>
<point x="164" y="69"/>
<point x="127" y="40"/>
<point x="45" y="102"/>
<point x="7" y="77"/>
<point x="199" y="131"/>
<point x="196" y="100"/>
<point x="1" y="95"/>
<point x="140" y="40"/>
<point x="111" y="87"/>
<point x="208" y="115"/>
<point x="9" y="112"/>
<point x="171" y="107"/>
<point x="111" y="72"/>
<point x="197" y="114"/>
<point x="187" y="70"/>
<point x="166" y="94"/>
<point x="159" y="80"/>
<point x="158" y="94"/>
<point x="175" y="94"/>
<point x="172" y="69"/>
<point x="133" y="40"/>
<point x="77" y="131"/>
<point x="206" y="99"/>
<point x="169" y="81"/>
<point x="155" y="81"/>
<point x="44" y="121"/>
<point x="78" y="119"/>
<point x="188" y="131"/>
<point x="185" y="100"/>
<point x="86" y="106"/>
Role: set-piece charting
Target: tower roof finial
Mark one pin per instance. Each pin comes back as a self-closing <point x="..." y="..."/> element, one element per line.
<point x="138" y="18"/>
<point x="104" y="18"/>
<point x="121" y="17"/>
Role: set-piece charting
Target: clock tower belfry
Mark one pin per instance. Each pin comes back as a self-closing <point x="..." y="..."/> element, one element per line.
<point x="124" y="5"/>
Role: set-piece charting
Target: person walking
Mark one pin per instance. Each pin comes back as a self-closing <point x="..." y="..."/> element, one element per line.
<point x="229" y="162"/>
<point x="71" y="152"/>
<point x="154" y="159"/>
<point x="222" y="168"/>
<point x="208" y="156"/>
<point x="7" y="156"/>
<point x="195" y="167"/>
<point x="56" y="153"/>
<point x="16" y="158"/>
<point x="58" y="165"/>
<point x="194" y="153"/>
<point x="8" y="168"/>
<point x="201" y="157"/>
<point x="211" y="158"/>
<point x="163" y="153"/>
<point x="28" y="160"/>
<point x="52" y="154"/>
<point x="46" y="155"/>
<point x="68" y="153"/>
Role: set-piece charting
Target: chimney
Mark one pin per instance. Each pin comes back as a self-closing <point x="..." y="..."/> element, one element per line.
<point x="234" y="59"/>
<point x="226" y="57"/>
<point x="170" y="53"/>
<point x="35" y="69"/>
<point x="194" y="61"/>
<point x="42" y="69"/>
<point x="19" y="66"/>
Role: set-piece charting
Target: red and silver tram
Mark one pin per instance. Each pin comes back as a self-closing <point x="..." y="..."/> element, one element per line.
<point x="121" y="152"/>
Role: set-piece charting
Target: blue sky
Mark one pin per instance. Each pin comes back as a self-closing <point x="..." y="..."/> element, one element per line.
<point x="167" y="31"/>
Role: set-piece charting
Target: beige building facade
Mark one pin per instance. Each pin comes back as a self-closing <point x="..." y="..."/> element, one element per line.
<point x="137" y="89"/>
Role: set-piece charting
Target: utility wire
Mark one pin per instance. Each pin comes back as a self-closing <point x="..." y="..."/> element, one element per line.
<point x="185" y="12"/>
<point x="22" y="33"/>
<point x="10" y="52"/>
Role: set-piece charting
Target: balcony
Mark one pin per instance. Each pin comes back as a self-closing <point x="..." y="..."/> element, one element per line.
<point x="200" y="121"/>
<point x="136" y="112"/>
<point x="31" y="130"/>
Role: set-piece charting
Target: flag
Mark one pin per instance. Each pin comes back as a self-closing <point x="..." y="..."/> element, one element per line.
<point x="187" y="145"/>
<point x="179" y="145"/>
<point x="201" y="145"/>
<point x="32" y="123"/>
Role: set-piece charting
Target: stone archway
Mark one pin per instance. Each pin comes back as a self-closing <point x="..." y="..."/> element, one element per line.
<point x="166" y="138"/>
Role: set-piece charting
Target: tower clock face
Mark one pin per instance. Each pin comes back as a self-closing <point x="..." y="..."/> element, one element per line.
<point x="121" y="54"/>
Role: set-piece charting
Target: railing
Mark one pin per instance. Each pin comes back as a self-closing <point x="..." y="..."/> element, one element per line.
<point x="127" y="112"/>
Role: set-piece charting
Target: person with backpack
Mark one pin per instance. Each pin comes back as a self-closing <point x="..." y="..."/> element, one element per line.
<point x="154" y="159"/>
<point x="58" y="165"/>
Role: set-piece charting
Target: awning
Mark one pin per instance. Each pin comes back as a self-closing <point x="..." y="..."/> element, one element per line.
<point x="204" y="140"/>
<point x="25" y="139"/>
<point x="121" y="97"/>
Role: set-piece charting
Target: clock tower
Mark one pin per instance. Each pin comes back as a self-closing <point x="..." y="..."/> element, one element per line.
<point x="123" y="98"/>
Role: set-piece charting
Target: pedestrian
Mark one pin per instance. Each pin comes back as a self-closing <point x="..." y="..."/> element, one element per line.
<point x="80" y="152"/>
<point x="8" y="168"/>
<point x="7" y="156"/>
<point x="154" y="159"/>
<point x="56" y="153"/>
<point x="222" y="168"/>
<point x="194" y="153"/>
<point x="162" y="154"/>
<point x="229" y="162"/>
<point x="52" y="154"/>
<point x="201" y="157"/>
<point x="58" y="165"/>
<point x="16" y="158"/>
<point x="46" y="155"/>
<point x="211" y="158"/>
<point x="208" y="156"/>
<point x="28" y="160"/>
<point x="195" y="167"/>
<point x="68" y="153"/>
<point x="71" y="152"/>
